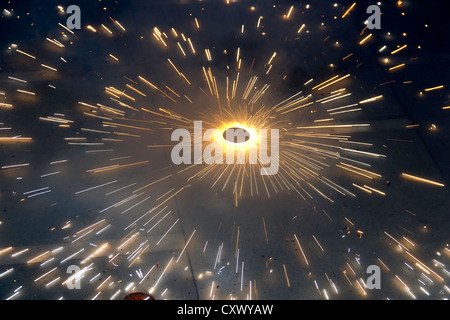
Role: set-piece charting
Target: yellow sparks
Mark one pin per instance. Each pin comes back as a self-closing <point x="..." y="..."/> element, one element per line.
<point x="408" y="176"/>
<point x="365" y="39"/>
<point x="397" y="66"/>
<point x="289" y="12"/>
<point x="91" y="28"/>
<point x="26" y="54"/>
<point x="399" y="49"/>
<point x="434" y="88"/>
<point x="348" y="10"/>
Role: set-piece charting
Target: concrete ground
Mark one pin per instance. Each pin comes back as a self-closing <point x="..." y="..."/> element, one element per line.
<point x="184" y="238"/>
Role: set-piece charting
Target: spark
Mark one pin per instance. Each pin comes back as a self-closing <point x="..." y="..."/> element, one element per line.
<point x="415" y="178"/>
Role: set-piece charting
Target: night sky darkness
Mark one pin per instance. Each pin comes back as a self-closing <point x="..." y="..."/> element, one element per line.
<point x="87" y="179"/>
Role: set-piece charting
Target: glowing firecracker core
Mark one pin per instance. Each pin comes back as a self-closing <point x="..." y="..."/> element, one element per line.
<point x="236" y="135"/>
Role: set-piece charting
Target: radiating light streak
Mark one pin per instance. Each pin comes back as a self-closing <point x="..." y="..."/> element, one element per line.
<point x="103" y="229"/>
<point x="356" y="142"/>
<point x="335" y="126"/>
<point x="242" y="275"/>
<point x="334" y="97"/>
<point x="362" y="188"/>
<point x="96" y="187"/>
<point x="157" y="222"/>
<point x="101" y="284"/>
<point x="434" y="88"/>
<point x="50" y="174"/>
<point x="45" y="274"/>
<point x="361" y="287"/>
<point x="365" y="153"/>
<point x="15" y="166"/>
<point x="115" y="294"/>
<point x="333" y="82"/>
<point x="345" y="111"/>
<point x="185" y="246"/>
<point x="6" y="272"/>
<point x="315" y="239"/>
<point x="289" y="12"/>
<point x="6" y="105"/>
<point x="82" y="236"/>
<point x="325" y="294"/>
<point x="128" y="240"/>
<point x="362" y="172"/>
<point x="52" y="282"/>
<point x="71" y="256"/>
<point x="129" y="286"/>
<point x="135" y="205"/>
<point x="107" y="30"/>
<point x="348" y="10"/>
<point x="48" y="261"/>
<point x="48" y="67"/>
<point x="58" y="162"/>
<point x="411" y="177"/>
<point x="95" y="297"/>
<point x="326" y="81"/>
<point x="400" y="245"/>
<point x="63" y="26"/>
<point x="409" y="241"/>
<point x="259" y="22"/>
<point x="324" y="120"/>
<point x="19" y="253"/>
<point x="298" y="107"/>
<point x="26" y="54"/>
<point x="406" y="287"/>
<point x="94" y="253"/>
<point x="57" y="120"/>
<point x="399" y="49"/>
<point x="397" y="66"/>
<point x="117" y="22"/>
<point x="37" y="257"/>
<point x="55" y="42"/>
<point x="152" y="289"/>
<point x="371" y="99"/>
<point x="117" y="204"/>
<point x="152" y="183"/>
<point x="265" y="230"/>
<point x="339" y="187"/>
<point x="17" y="79"/>
<point x="146" y="275"/>
<point x="343" y="107"/>
<point x="36" y="190"/>
<point x="425" y="267"/>
<point x="95" y="277"/>
<point x="15" y="294"/>
<point x="300" y="30"/>
<point x="301" y="250"/>
<point x="111" y="166"/>
<point x="211" y="290"/>
<point x="38" y="194"/>
<point x="138" y="252"/>
<point x="91" y="28"/>
<point x="375" y="190"/>
<point x="365" y="39"/>
<point x="219" y="253"/>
